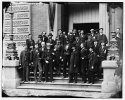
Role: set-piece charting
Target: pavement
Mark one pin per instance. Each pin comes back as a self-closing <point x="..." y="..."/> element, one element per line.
<point x="54" y="94"/>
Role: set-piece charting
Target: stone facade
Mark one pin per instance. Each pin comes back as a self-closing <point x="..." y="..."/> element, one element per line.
<point x="38" y="19"/>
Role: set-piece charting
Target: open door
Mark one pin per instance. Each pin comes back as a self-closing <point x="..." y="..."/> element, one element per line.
<point x="86" y="26"/>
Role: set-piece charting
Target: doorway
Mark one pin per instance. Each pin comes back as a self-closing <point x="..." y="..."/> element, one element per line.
<point x="85" y="26"/>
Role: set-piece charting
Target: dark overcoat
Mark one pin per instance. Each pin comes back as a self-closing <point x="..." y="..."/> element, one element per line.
<point x="74" y="61"/>
<point x="93" y="61"/>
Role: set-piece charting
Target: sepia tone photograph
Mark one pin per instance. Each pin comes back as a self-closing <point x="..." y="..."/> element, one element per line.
<point x="62" y="49"/>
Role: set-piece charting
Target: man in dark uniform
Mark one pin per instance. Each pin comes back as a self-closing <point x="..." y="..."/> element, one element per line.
<point x="58" y="50"/>
<point x="44" y="37"/>
<point x="24" y="63"/>
<point x="30" y="43"/>
<point x="92" y="65"/>
<point x="71" y="37"/>
<point x="49" y="63"/>
<point x="37" y="62"/>
<point x="39" y="40"/>
<point x="74" y="64"/>
<point x="101" y="37"/>
<point x="96" y="50"/>
<point x="66" y="57"/>
<point x="83" y="56"/>
<point x="50" y="40"/>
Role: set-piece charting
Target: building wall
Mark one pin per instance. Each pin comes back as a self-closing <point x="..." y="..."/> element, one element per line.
<point x="118" y="20"/>
<point x="83" y="13"/>
<point x="38" y="19"/>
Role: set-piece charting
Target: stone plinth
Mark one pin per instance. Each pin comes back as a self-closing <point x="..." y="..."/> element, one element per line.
<point x="10" y="74"/>
<point x="108" y="84"/>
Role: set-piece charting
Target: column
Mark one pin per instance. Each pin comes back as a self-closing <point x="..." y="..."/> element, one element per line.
<point x="57" y="21"/>
<point x="103" y="18"/>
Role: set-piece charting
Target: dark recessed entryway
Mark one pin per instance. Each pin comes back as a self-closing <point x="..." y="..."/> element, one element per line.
<point x="85" y="26"/>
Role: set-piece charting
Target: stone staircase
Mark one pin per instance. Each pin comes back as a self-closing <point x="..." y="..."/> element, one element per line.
<point x="62" y="84"/>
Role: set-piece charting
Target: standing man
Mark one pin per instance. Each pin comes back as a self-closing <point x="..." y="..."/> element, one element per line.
<point x="24" y="63"/>
<point x="39" y="40"/>
<point x="58" y="49"/>
<point x="119" y="39"/>
<point x="51" y="41"/>
<point x="30" y="43"/>
<point x="66" y="57"/>
<point x="44" y="37"/>
<point x="92" y="65"/>
<point x="49" y="63"/>
<point x="101" y="37"/>
<point x="37" y="62"/>
<point x="74" y="64"/>
<point x="83" y="60"/>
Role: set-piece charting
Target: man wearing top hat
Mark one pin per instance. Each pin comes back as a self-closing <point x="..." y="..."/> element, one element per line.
<point x="66" y="56"/>
<point x="50" y="40"/>
<point x="49" y="62"/>
<point x="74" y="64"/>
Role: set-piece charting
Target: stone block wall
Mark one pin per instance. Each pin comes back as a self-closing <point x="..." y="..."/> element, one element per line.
<point x="38" y="19"/>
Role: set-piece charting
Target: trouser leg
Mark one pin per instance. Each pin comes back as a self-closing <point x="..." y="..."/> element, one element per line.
<point x="51" y="71"/>
<point x="75" y="77"/>
<point x="40" y="70"/>
<point x="64" y="67"/>
<point x="70" y="77"/>
<point x="89" y="76"/>
<point x="92" y="77"/>
<point x="46" y="72"/>
<point x="24" y="74"/>
<point x="27" y="73"/>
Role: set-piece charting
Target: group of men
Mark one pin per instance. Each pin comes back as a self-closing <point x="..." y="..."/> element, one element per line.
<point x="82" y="53"/>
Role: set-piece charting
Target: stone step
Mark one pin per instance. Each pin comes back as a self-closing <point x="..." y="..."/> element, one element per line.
<point x="62" y="86"/>
<point x="61" y="79"/>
